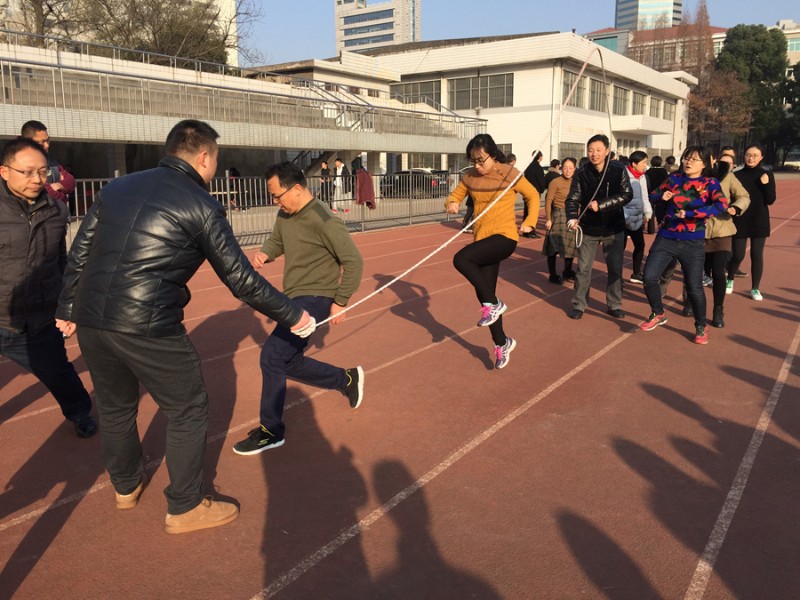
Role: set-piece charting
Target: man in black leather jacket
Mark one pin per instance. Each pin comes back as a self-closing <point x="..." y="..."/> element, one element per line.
<point x="33" y="252"/>
<point x="599" y="190"/>
<point x="125" y="286"/>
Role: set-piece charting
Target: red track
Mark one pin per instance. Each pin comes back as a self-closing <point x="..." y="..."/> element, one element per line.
<point x="595" y="466"/>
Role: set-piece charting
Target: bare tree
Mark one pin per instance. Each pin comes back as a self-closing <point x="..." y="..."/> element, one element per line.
<point x="193" y="29"/>
<point x="720" y="107"/>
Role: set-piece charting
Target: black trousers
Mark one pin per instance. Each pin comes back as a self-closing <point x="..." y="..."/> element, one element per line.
<point x="479" y="262"/>
<point x="43" y="354"/>
<point x="169" y="368"/>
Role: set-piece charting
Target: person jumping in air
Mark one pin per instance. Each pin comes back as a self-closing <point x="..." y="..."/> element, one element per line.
<point x="495" y="233"/>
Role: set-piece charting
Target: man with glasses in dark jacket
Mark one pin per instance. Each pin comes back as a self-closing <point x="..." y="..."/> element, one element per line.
<point x="125" y="286"/>
<point x="33" y="252"/>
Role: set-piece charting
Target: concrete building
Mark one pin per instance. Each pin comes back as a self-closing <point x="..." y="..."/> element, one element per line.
<point x="360" y="27"/>
<point x="791" y="30"/>
<point x="648" y="14"/>
<point x="519" y="82"/>
<point x="109" y="115"/>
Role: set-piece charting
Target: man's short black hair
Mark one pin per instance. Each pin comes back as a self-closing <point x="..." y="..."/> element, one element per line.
<point x="13" y="147"/>
<point x="555" y="163"/>
<point x="288" y="174"/>
<point x="189" y="137"/>
<point x="598" y="138"/>
<point x="656" y="161"/>
<point x="31" y="128"/>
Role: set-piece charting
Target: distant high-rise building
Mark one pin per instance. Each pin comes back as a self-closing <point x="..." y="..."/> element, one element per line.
<point x="648" y="14"/>
<point x="360" y="27"/>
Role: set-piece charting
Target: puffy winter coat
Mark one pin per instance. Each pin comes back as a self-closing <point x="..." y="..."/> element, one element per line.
<point x="32" y="254"/>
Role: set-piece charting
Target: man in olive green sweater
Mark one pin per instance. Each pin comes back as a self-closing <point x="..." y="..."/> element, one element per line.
<point x="322" y="271"/>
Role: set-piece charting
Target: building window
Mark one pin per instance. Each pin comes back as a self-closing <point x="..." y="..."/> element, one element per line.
<point x="655" y="108"/>
<point x="597" y="96"/>
<point x="377" y="39"/>
<point x="370" y="16"/>
<point x="639" y="101"/>
<point x="368" y="28"/>
<point x="570" y="150"/>
<point x="486" y="91"/>
<point x="669" y="111"/>
<point x="580" y="91"/>
<point x="420" y="91"/>
<point x="621" y="96"/>
<point x="504" y="148"/>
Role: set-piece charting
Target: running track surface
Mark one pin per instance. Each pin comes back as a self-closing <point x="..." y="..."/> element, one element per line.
<point x="603" y="462"/>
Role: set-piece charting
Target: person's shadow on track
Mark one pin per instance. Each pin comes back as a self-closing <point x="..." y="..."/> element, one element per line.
<point x="314" y="492"/>
<point x="414" y="305"/>
<point x="687" y="498"/>
<point x="62" y="462"/>
<point x="218" y="339"/>
<point x="612" y="571"/>
<point x="421" y="571"/>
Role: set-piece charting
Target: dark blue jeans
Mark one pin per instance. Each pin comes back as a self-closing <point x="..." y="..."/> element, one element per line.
<point x="282" y="357"/>
<point x="691" y="254"/>
<point x="43" y="354"/>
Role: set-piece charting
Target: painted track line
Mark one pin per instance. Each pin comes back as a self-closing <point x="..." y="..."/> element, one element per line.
<point x="699" y="582"/>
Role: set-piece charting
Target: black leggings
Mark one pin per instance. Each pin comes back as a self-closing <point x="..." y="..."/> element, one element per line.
<point x="638" y="248"/>
<point x="716" y="262"/>
<point x="756" y="258"/>
<point x="479" y="262"/>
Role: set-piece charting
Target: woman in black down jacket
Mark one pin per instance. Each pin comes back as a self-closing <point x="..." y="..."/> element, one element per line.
<point x="754" y="223"/>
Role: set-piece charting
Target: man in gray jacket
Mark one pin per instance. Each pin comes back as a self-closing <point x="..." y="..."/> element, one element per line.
<point x="125" y="285"/>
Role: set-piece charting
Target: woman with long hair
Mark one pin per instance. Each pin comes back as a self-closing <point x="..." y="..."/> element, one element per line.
<point x="692" y="195"/>
<point x="558" y="239"/>
<point x="754" y="224"/>
<point x="495" y="233"/>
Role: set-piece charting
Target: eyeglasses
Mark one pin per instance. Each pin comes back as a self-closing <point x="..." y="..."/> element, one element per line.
<point x="752" y="156"/>
<point x="32" y="173"/>
<point x="692" y="159"/>
<point x="281" y="195"/>
<point x="479" y="161"/>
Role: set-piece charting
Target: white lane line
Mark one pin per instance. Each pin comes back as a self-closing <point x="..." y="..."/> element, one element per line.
<point x="699" y="582"/>
<point x="347" y="534"/>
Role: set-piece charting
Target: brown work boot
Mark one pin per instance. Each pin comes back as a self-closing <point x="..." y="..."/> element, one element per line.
<point x="126" y="501"/>
<point x="209" y="513"/>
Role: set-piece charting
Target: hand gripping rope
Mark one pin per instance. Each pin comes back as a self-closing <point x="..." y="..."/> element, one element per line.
<point x="578" y="231"/>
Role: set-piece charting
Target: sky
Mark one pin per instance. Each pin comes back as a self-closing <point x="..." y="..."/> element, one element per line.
<point x="291" y="30"/>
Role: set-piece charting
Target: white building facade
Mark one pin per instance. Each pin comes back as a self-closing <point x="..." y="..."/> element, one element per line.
<point x="519" y="83"/>
<point x="360" y="27"/>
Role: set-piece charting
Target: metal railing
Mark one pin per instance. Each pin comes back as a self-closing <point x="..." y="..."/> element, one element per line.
<point x="252" y="215"/>
<point x="30" y="85"/>
<point x="306" y="103"/>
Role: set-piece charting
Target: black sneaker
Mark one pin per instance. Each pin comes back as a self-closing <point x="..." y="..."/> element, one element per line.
<point x="85" y="428"/>
<point x="258" y="440"/>
<point x="354" y="390"/>
<point x="740" y="274"/>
